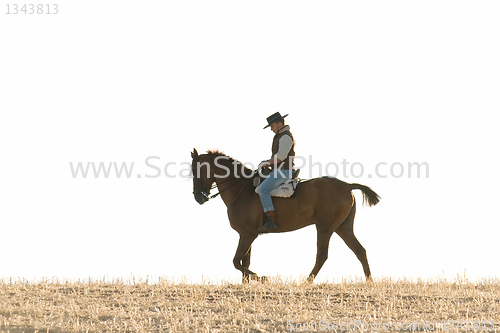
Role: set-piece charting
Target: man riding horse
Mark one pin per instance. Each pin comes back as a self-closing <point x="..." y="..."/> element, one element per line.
<point x="281" y="162"/>
<point x="328" y="203"/>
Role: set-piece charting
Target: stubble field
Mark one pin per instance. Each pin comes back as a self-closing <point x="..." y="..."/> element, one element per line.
<point x="276" y="306"/>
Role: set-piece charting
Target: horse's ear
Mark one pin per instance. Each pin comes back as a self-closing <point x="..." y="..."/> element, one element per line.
<point x="194" y="154"/>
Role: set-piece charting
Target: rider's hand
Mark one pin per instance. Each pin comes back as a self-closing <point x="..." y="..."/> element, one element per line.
<point x="264" y="164"/>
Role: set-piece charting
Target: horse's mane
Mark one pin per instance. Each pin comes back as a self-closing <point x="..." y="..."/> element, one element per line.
<point x="216" y="152"/>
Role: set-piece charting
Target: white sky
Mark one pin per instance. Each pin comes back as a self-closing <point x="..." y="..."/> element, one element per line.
<point x="365" y="81"/>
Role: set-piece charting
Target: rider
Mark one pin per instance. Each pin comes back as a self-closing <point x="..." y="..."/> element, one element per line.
<point x="281" y="163"/>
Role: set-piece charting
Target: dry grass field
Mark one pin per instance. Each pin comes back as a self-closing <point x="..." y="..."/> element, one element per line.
<point x="275" y="306"/>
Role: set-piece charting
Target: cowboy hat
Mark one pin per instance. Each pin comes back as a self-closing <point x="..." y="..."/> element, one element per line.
<point x="274" y="118"/>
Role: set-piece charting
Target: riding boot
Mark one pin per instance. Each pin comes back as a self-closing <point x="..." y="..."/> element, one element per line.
<point x="269" y="221"/>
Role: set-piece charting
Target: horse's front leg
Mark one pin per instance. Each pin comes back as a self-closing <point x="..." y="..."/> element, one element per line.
<point x="246" y="263"/>
<point x="241" y="258"/>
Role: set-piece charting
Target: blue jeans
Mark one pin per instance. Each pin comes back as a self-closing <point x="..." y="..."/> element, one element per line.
<point x="276" y="178"/>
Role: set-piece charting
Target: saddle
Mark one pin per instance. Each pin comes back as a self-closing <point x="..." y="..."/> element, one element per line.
<point x="284" y="190"/>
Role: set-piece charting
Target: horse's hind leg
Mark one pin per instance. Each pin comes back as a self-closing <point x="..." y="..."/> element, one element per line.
<point x="346" y="232"/>
<point x="322" y="251"/>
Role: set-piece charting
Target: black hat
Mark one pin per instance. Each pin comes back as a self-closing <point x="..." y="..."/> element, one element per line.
<point x="274" y="118"/>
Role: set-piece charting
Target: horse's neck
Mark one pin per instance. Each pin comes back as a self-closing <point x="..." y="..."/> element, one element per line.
<point x="231" y="187"/>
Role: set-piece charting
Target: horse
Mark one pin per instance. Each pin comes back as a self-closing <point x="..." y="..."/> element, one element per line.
<point x="326" y="202"/>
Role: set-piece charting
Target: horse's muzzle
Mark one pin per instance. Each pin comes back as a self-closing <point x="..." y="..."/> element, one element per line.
<point x="201" y="197"/>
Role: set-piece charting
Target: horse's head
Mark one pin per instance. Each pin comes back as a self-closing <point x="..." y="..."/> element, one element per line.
<point x="203" y="177"/>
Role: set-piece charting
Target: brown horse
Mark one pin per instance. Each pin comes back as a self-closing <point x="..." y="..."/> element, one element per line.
<point x="326" y="202"/>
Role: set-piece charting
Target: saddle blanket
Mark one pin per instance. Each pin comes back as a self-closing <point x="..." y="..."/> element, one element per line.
<point x="285" y="190"/>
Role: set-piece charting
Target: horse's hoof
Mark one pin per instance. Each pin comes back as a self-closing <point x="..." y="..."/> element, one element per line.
<point x="249" y="277"/>
<point x="263" y="279"/>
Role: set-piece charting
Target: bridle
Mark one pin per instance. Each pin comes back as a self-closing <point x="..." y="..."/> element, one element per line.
<point x="206" y="194"/>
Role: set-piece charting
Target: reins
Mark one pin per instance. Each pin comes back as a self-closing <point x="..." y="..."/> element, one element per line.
<point x="220" y="191"/>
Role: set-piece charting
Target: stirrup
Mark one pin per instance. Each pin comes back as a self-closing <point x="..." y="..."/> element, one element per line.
<point x="268" y="225"/>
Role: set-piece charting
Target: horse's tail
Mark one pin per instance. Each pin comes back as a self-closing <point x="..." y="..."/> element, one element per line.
<point x="369" y="195"/>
